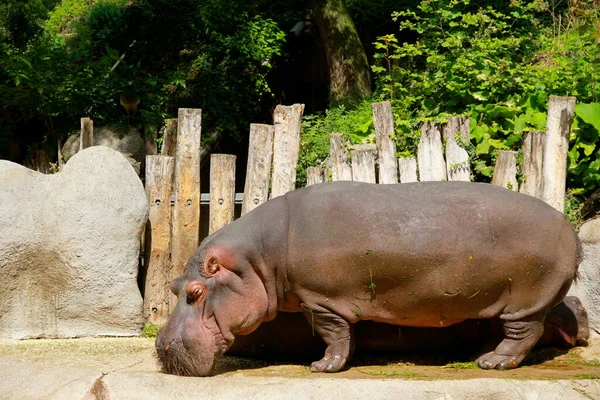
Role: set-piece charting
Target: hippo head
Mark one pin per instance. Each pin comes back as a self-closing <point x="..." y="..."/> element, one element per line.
<point x="566" y="324"/>
<point x="219" y="295"/>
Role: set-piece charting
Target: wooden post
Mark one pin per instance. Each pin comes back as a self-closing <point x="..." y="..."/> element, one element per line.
<point x="432" y="166"/>
<point x="457" y="125"/>
<point x="314" y="175"/>
<point x="170" y="138"/>
<point x="258" y="172"/>
<point x="60" y="161"/>
<point x="222" y="191"/>
<point x="363" y="163"/>
<point x="407" y="167"/>
<point x="383" y="119"/>
<point x="533" y="156"/>
<point x="86" y="138"/>
<point x="286" y="148"/>
<point x="558" y="128"/>
<point x="340" y="168"/>
<point x="458" y="167"/>
<point x="505" y="170"/>
<point x="157" y="298"/>
<point x="186" y="213"/>
<point x="42" y="161"/>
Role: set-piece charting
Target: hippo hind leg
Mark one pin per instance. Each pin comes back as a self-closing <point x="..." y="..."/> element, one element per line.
<point x="336" y="332"/>
<point x="519" y="338"/>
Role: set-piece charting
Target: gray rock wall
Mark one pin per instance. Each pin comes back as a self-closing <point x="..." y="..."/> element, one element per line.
<point x="69" y="247"/>
<point x="587" y="287"/>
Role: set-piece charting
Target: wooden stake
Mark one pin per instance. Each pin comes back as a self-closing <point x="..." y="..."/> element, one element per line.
<point x="258" y="172"/>
<point x="533" y="156"/>
<point x="186" y="213"/>
<point x="340" y="167"/>
<point x="170" y="138"/>
<point x="222" y="191"/>
<point x="505" y="170"/>
<point x="407" y="167"/>
<point x="432" y="166"/>
<point x="383" y="119"/>
<point x="286" y="148"/>
<point x="86" y="138"/>
<point x="314" y="175"/>
<point x="363" y="163"/>
<point x="558" y="128"/>
<point x="60" y="161"/>
<point x="157" y="297"/>
<point x="458" y="167"/>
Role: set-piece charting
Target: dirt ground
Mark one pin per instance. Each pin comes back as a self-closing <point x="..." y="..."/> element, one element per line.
<point x="137" y="354"/>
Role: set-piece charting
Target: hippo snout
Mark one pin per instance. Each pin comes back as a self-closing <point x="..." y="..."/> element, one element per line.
<point x="184" y="357"/>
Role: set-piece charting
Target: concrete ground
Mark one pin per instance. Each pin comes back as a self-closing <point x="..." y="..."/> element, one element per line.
<point x="125" y="368"/>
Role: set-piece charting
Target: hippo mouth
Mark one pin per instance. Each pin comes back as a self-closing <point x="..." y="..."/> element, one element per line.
<point x="192" y="353"/>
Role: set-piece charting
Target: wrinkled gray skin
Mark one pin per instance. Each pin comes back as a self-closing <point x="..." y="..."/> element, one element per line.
<point x="427" y="254"/>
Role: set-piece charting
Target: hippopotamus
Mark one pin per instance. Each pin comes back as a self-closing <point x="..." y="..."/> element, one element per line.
<point x="427" y="254"/>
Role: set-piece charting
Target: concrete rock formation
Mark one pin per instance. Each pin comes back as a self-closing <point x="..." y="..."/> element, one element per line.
<point x="587" y="287"/>
<point x="69" y="246"/>
<point x="128" y="142"/>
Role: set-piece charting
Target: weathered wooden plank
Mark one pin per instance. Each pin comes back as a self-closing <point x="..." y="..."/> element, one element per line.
<point x="457" y="126"/>
<point x="59" y="154"/>
<point x="222" y="191"/>
<point x="363" y="163"/>
<point x="430" y="157"/>
<point x="456" y="130"/>
<point x="558" y="128"/>
<point x="286" y="148"/>
<point x="159" y="179"/>
<point x="383" y="119"/>
<point x="170" y="138"/>
<point x="258" y="172"/>
<point x="407" y="167"/>
<point x="186" y="212"/>
<point x="338" y="154"/>
<point x="505" y="170"/>
<point x="533" y="157"/>
<point x="86" y="137"/>
<point x="314" y="175"/>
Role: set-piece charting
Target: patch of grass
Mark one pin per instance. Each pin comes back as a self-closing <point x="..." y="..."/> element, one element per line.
<point x="461" y="365"/>
<point x="390" y="374"/>
<point x="150" y="330"/>
<point x="586" y="376"/>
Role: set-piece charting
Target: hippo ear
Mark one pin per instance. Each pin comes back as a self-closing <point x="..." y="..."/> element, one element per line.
<point x="212" y="266"/>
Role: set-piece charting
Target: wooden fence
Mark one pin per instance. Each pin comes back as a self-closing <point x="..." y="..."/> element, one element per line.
<point x="173" y="178"/>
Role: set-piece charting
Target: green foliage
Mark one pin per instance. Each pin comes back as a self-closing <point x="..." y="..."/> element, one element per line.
<point x="497" y="62"/>
<point x="213" y="55"/>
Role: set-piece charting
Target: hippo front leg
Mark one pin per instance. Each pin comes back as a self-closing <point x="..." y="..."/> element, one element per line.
<point x="519" y="338"/>
<point x="337" y="334"/>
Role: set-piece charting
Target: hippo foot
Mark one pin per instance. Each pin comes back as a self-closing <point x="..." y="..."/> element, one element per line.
<point x="492" y="360"/>
<point x="328" y="365"/>
<point x="519" y="338"/>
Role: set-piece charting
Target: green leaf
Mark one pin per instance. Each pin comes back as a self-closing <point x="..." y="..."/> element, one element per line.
<point x="589" y="113"/>
<point x="497" y="144"/>
<point x="588" y="149"/>
<point x="483" y="147"/>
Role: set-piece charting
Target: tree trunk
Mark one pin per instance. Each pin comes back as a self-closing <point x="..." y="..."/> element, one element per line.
<point x="346" y="58"/>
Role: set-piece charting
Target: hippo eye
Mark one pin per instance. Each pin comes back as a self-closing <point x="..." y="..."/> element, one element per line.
<point x="194" y="290"/>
